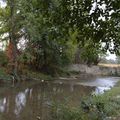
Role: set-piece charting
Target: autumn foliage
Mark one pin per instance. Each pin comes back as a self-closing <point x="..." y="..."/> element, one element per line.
<point x="9" y="52"/>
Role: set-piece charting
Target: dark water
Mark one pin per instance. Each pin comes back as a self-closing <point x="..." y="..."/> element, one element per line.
<point x="31" y="100"/>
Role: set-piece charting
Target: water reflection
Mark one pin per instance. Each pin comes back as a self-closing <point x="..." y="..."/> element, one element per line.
<point x="20" y="101"/>
<point x="34" y="100"/>
<point x="101" y="90"/>
<point x="2" y="104"/>
<point x="102" y="82"/>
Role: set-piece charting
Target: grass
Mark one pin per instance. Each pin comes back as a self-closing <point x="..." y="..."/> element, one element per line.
<point x="3" y="74"/>
<point x="97" y="107"/>
<point x="29" y="74"/>
<point x="38" y="75"/>
<point x="26" y="74"/>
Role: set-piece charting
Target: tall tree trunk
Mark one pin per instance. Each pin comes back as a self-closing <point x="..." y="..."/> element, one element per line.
<point x="13" y="39"/>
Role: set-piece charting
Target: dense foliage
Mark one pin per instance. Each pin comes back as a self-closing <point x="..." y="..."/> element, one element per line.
<point x="52" y="30"/>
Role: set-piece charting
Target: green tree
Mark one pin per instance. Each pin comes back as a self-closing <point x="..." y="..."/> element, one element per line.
<point x="53" y="28"/>
<point x="10" y="31"/>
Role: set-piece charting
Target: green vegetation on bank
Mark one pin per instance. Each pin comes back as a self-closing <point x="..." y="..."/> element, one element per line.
<point x="98" y="107"/>
<point x="3" y="74"/>
<point x="26" y="75"/>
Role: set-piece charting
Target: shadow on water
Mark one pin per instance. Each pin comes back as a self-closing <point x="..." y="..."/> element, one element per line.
<point x="32" y="101"/>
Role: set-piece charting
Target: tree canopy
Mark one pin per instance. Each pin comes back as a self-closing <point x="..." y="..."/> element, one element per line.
<point x="51" y="30"/>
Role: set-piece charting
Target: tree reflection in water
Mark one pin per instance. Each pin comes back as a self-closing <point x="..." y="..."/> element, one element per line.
<point x="3" y="104"/>
<point x="32" y="100"/>
<point x="20" y="101"/>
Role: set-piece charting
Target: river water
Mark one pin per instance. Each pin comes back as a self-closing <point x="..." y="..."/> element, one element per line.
<point x="33" y="100"/>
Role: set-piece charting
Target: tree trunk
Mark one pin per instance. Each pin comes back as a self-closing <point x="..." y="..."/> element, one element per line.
<point x="14" y="62"/>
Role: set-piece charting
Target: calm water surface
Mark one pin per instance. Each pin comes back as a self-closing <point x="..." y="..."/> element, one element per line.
<point x="31" y="100"/>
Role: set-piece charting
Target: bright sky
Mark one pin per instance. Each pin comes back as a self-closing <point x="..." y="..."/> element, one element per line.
<point x="2" y="4"/>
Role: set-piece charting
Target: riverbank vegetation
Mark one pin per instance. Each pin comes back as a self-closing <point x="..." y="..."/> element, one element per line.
<point x="95" y="107"/>
<point x="45" y="36"/>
